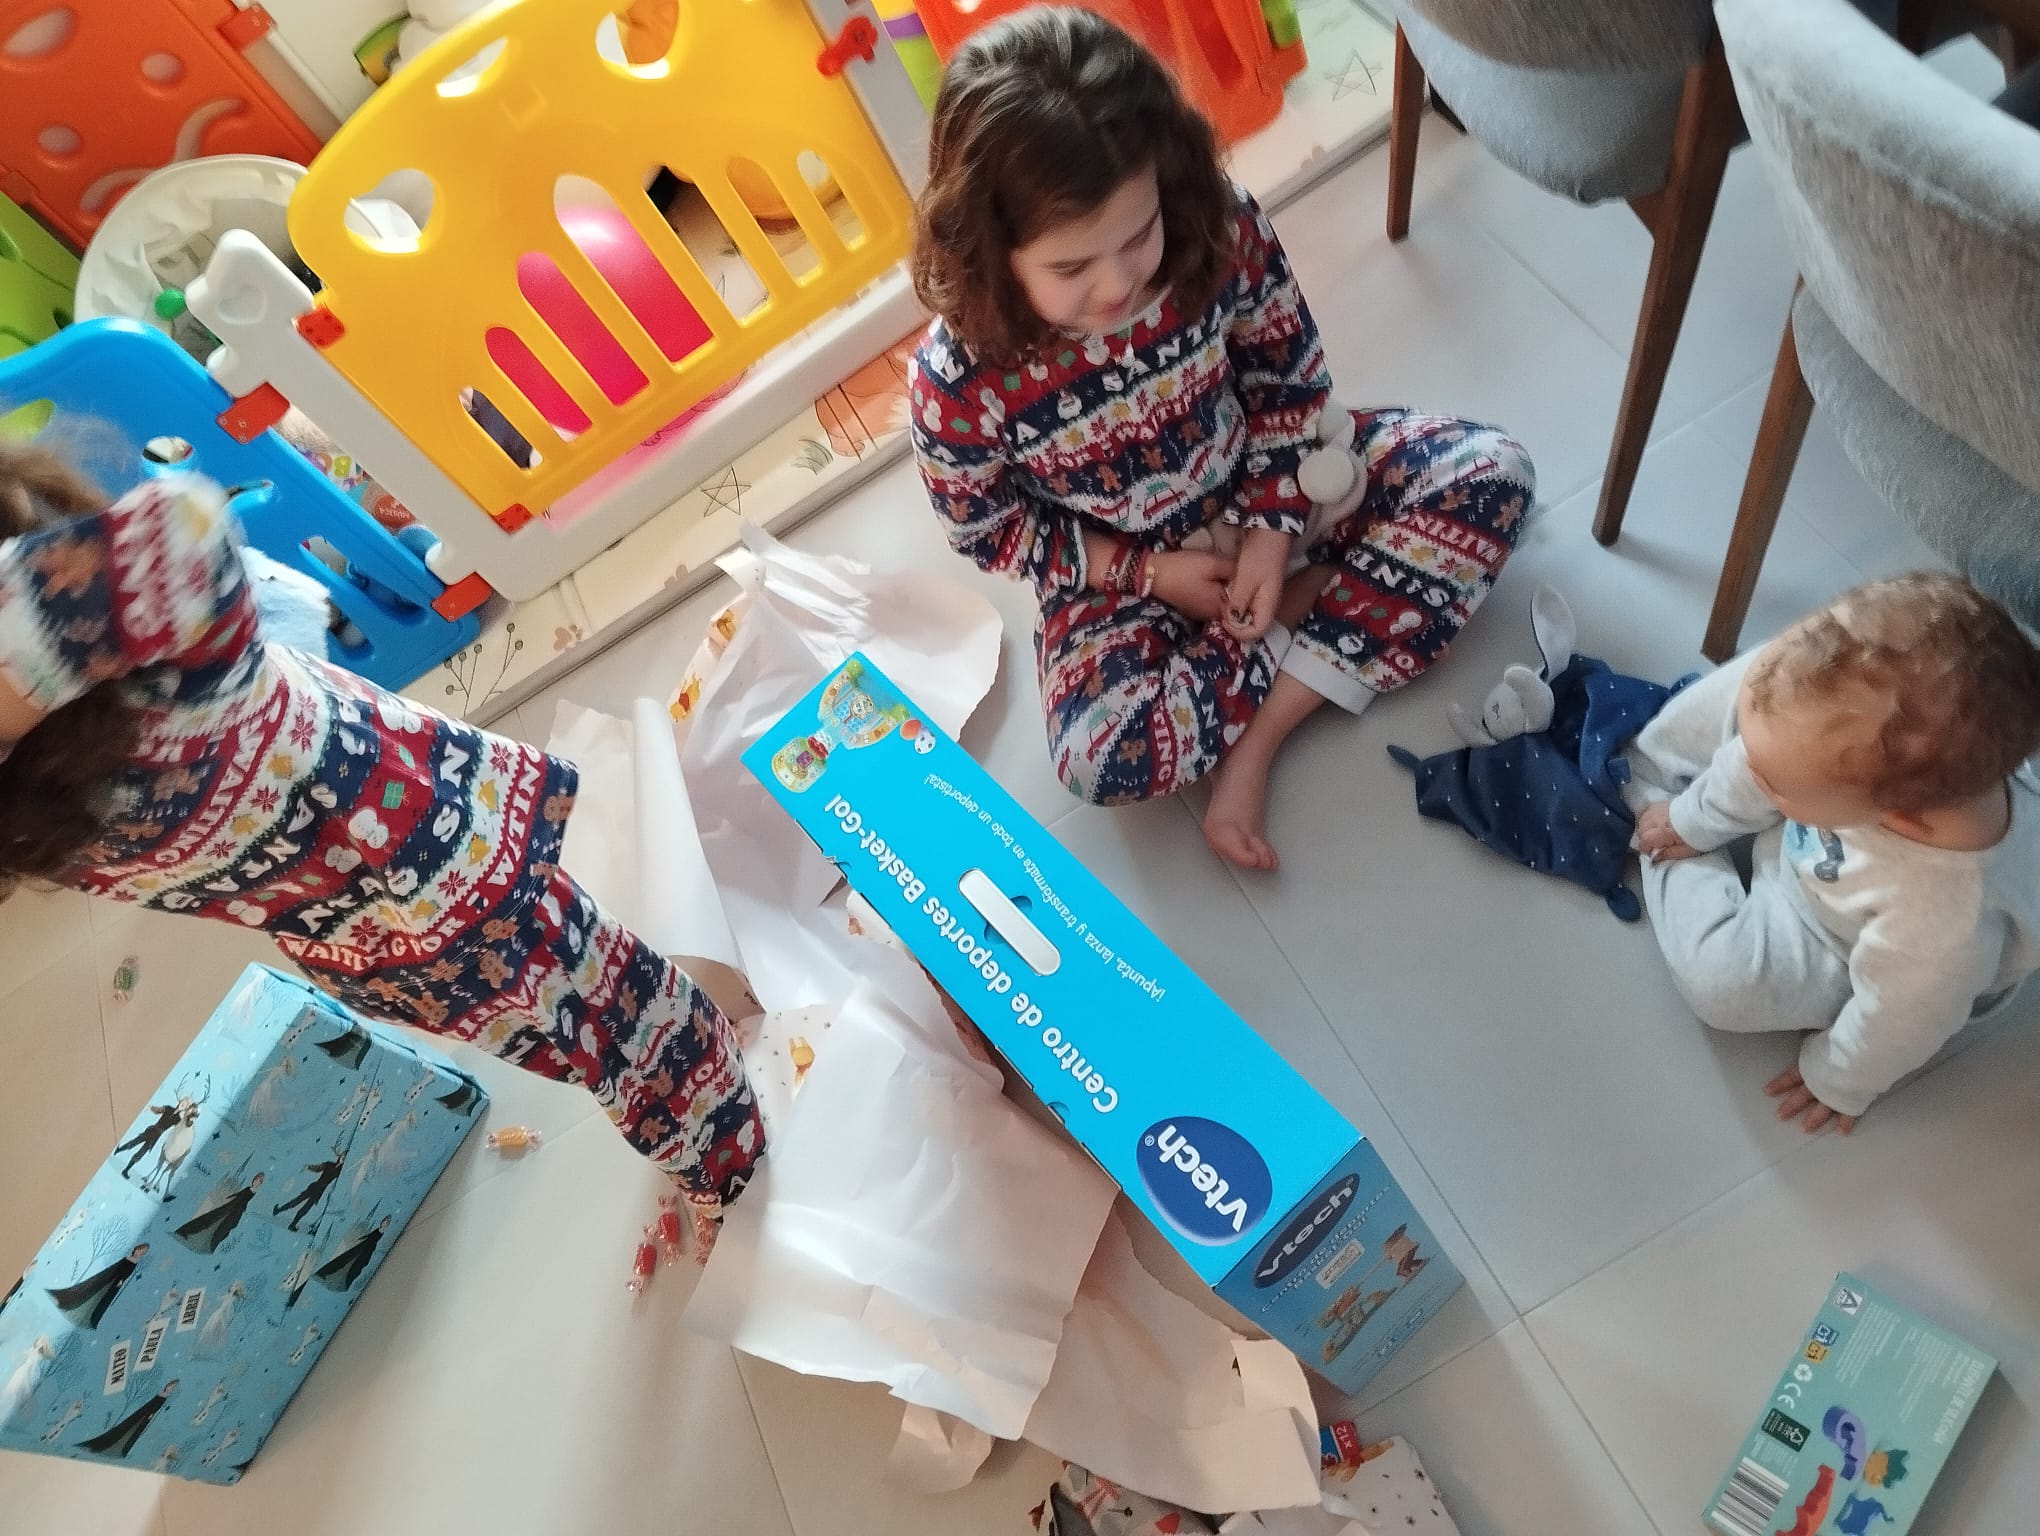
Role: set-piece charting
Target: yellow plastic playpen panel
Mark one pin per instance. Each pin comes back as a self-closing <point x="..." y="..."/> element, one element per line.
<point x="494" y="116"/>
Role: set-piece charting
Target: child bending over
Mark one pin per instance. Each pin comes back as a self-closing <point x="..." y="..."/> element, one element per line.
<point x="155" y="749"/>
<point x="1877" y="751"/>
<point x="1122" y="367"/>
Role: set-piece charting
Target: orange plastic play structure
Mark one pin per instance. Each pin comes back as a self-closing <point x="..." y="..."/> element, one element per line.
<point x="95" y="94"/>
<point x="1218" y="50"/>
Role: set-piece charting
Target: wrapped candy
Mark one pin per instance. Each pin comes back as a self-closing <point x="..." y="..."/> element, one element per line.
<point x="642" y="1263"/>
<point x="513" y="1138"/>
<point x="669" y="1227"/>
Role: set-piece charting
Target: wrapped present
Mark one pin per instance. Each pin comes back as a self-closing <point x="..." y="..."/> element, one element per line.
<point x="167" y="1321"/>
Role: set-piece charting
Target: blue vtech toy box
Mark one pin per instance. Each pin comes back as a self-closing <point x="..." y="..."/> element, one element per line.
<point x="172" y="1314"/>
<point x="1273" y="1199"/>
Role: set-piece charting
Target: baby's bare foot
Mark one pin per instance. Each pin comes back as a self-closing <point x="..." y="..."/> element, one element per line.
<point x="1233" y="824"/>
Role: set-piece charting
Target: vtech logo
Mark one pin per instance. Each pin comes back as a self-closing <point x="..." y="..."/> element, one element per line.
<point x="1205" y="1178"/>
<point x="1311" y="1227"/>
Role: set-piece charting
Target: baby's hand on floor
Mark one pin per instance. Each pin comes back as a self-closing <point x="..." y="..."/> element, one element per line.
<point x="1796" y="1102"/>
<point x="1655" y="838"/>
<point x="1256" y="590"/>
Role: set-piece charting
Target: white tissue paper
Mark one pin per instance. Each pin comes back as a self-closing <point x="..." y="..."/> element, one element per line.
<point x="632" y="841"/>
<point x="910" y="1225"/>
<point x="1152" y="1393"/>
<point x="936" y="1452"/>
<point x="936" y="639"/>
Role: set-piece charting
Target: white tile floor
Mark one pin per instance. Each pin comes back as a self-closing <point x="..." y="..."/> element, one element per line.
<point x="1643" y="1243"/>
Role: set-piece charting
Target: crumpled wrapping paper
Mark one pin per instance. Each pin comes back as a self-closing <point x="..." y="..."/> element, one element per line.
<point x="910" y="1224"/>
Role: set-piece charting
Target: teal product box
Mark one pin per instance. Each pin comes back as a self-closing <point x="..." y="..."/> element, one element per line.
<point x="1859" y="1426"/>
<point x="1271" y="1197"/>
<point x="170" y="1317"/>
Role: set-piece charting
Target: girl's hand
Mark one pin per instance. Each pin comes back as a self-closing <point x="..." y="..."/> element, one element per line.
<point x="1193" y="582"/>
<point x="1796" y="1102"/>
<point x="1256" y="588"/>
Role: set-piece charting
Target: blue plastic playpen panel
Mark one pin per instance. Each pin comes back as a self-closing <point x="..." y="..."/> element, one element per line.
<point x="123" y="384"/>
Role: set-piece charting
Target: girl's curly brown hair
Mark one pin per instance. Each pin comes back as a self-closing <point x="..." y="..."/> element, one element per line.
<point x="1041" y="118"/>
<point x="55" y="784"/>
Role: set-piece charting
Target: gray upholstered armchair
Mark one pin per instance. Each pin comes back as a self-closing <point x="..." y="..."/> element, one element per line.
<point x="1913" y="210"/>
<point x="1592" y="99"/>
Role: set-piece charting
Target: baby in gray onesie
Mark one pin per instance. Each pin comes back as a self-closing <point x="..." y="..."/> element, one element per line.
<point x="1877" y="753"/>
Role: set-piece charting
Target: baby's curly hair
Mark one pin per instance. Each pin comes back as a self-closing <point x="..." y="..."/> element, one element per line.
<point x="55" y="785"/>
<point x="1041" y="117"/>
<point x="1953" y="685"/>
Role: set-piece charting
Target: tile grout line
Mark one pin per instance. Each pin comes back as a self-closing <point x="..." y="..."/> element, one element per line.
<point x="764" y="1442"/>
<point x="1415" y="1156"/>
<point x="1660" y="430"/>
<point x="1592" y="1429"/>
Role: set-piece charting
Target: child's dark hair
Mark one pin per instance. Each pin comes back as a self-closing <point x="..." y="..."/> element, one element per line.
<point x="1950" y="682"/>
<point x="54" y="784"/>
<point x="1041" y="118"/>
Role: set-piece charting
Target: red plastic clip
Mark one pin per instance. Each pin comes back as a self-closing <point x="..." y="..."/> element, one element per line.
<point x="857" y="40"/>
<point x="462" y="598"/>
<point x="513" y="517"/>
<point x="320" y="326"/>
<point x="245" y="28"/>
<point x="253" y="414"/>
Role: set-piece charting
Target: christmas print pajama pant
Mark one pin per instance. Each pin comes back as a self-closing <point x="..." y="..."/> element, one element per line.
<point x="550" y="983"/>
<point x="1142" y="702"/>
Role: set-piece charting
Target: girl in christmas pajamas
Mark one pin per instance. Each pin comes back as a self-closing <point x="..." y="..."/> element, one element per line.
<point x="1125" y="402"/>
<point x="155" y="750"/>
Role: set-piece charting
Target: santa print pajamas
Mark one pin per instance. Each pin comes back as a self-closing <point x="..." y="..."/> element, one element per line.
<point x="1157" y="431"/>
<point x="408" y="863"/>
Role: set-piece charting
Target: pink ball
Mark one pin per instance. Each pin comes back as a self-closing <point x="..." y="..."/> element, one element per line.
<point x="627" y="265"/>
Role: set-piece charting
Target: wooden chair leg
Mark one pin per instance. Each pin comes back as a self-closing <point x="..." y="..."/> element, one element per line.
<point x="1679" y="215"/>
<point x="1787" y="409"/>
<point x="1405" y="115"/>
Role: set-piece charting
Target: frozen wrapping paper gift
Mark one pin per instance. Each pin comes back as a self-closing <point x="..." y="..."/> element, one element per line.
<point x="173" y="1312"/>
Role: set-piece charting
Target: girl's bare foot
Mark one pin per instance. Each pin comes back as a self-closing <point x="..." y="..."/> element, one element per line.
<point x="1239" y="784"/>
<point x="1239" y="797"/>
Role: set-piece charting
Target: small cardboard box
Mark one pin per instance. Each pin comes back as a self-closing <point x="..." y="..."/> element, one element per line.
<point x="167" y="1321"/>
<point x="1271" y="1197"/>
<point x="1858" y="1427"/>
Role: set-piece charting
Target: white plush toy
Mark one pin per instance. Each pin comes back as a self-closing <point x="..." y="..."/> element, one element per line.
<point x="1521" y="702"/>
<point x="1332" y="475"/>
<point x="293" y="609"/>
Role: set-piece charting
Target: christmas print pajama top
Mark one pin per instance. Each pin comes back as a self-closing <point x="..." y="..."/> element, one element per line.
<point x="406" y="862"/>
<point x="1159" y="430"/>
